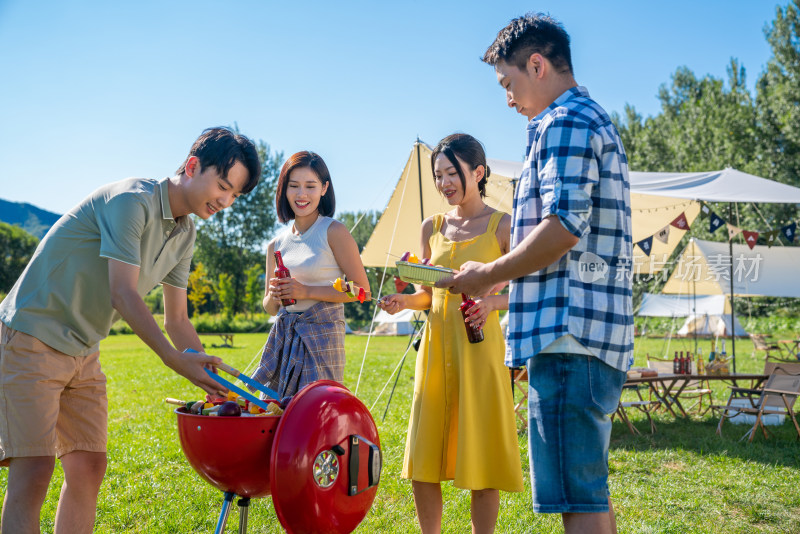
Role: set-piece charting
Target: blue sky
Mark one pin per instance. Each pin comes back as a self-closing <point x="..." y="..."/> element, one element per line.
<point x="96" y="91"/>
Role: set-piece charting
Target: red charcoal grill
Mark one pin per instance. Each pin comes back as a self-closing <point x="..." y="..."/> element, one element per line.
<point x="320" y="460"/>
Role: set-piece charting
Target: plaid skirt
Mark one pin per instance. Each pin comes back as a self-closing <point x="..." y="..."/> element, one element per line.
<point x="303" y="348"/>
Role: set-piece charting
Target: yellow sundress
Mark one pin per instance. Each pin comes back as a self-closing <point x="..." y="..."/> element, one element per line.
<point x="462" y="425"/>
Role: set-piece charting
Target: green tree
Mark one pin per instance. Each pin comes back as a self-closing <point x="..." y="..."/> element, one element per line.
<point x="227" y="294"/>
<point x="155" y="299"/>
<point x="200" y="287"/>
<point x="704" y="125"/>
<point x="254" y="288"/>
<point x="778" y="97"/>
<point x="16" y="249"/>
<point x="237" y="237"/>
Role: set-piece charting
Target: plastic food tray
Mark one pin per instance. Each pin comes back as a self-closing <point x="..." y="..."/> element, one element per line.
<point x="417" y="273"/>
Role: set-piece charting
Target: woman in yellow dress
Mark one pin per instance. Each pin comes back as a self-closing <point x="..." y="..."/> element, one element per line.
<point x="462" y="425"/>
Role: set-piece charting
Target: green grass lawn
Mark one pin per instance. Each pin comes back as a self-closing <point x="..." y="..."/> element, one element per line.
<point x="682" y="479"/>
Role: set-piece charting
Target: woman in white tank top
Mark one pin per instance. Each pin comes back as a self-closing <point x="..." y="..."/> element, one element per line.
<point x="306" y="342"/>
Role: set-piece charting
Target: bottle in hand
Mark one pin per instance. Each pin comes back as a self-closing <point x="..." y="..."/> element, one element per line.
<point x="474" y="333"/>
<point x="282" y="272"/>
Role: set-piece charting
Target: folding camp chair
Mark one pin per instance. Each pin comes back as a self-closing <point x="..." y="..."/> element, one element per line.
<point x="519" y="383"/>
<point x="644" y="406"/>
<point x="772" y="350"/>
<point x="777" y="397"/>
<point x="695" y="389"/>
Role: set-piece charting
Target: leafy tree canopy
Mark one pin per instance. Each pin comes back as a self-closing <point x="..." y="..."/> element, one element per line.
<point x="16" y="249"/>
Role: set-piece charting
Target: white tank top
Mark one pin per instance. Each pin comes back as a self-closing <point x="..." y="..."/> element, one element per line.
<point x="309" y="258"/>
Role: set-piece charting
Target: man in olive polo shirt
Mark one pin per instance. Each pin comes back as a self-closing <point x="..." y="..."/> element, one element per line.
<point x="93" y="267"/>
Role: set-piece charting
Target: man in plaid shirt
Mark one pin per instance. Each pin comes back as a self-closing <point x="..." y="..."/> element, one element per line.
<point x="570" y="307"/>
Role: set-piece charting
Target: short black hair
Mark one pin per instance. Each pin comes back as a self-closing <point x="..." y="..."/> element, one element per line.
<point x="471" y="152"/>
<point x="534" y="33"/>
<point x="327" y="204"/>
<point x="221" y="147"/>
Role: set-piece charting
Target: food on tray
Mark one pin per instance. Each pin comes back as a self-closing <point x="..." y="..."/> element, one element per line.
<point x="410" y="257"/>
<point x="421" y="272"/>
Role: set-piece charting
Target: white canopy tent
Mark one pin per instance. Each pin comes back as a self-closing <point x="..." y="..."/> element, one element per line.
<point x="654" y="305"/>
<point x="727" y="185"/>
<point x="706" y="315"/>
<point x="711" y="325"/>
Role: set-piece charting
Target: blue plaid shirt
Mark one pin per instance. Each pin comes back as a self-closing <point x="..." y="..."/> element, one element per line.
<point x="576" y="169"/>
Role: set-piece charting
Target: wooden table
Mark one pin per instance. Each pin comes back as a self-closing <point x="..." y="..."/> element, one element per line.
<point x="670" y="382"/>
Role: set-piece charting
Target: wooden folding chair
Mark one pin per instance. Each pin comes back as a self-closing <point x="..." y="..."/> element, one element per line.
<point x="695" y="390"/>
<point x="519" y="383"/>
<point x="777" y="397"/>
<point x="644" y="406"/>
<point x="772" y="350"/>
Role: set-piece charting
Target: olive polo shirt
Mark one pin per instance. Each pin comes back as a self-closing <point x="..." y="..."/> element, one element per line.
<point x="63" y="296"/>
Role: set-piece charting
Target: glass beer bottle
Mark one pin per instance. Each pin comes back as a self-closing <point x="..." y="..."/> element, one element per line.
<point x="282" y="272"/>
<point x="474" y="333"/>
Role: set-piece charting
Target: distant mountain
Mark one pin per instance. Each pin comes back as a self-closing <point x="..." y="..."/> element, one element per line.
<point x="33" y="220"/>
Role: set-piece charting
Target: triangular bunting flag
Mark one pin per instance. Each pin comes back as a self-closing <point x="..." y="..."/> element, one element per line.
<point x="751" y="238"/>
<point x="646" y="245"/>
<point x="680" y="222"/>
<point x="663" y="234"/>
<point x="771" y="236"/>
<point x="399" y="285"/>
<point x="705" y="211"/>
<point x="715" y="222"/>
<point x="788" y="232"/>
<point x="733" y="231"/>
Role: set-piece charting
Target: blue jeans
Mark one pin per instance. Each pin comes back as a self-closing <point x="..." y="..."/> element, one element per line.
<point x="569" y="399"/>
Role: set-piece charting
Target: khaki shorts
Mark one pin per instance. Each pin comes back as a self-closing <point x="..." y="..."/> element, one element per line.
<point x="50" y="403"/>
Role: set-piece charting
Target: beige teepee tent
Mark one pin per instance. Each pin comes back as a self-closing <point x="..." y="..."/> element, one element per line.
<point x="415" y="198"/>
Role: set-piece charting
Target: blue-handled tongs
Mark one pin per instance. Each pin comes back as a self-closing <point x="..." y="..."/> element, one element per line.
<point x="244" y="378"/>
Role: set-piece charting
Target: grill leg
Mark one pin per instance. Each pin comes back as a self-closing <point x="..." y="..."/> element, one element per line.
<point x="244" y="508"/>
<point x="223" y="516"/>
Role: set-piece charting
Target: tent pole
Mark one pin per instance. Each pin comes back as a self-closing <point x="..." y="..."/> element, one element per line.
<point x="733" y="324"/>
<point x="419" y="178"/>
<point x="402" y="363"/>
<point x="694" y="312"/>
